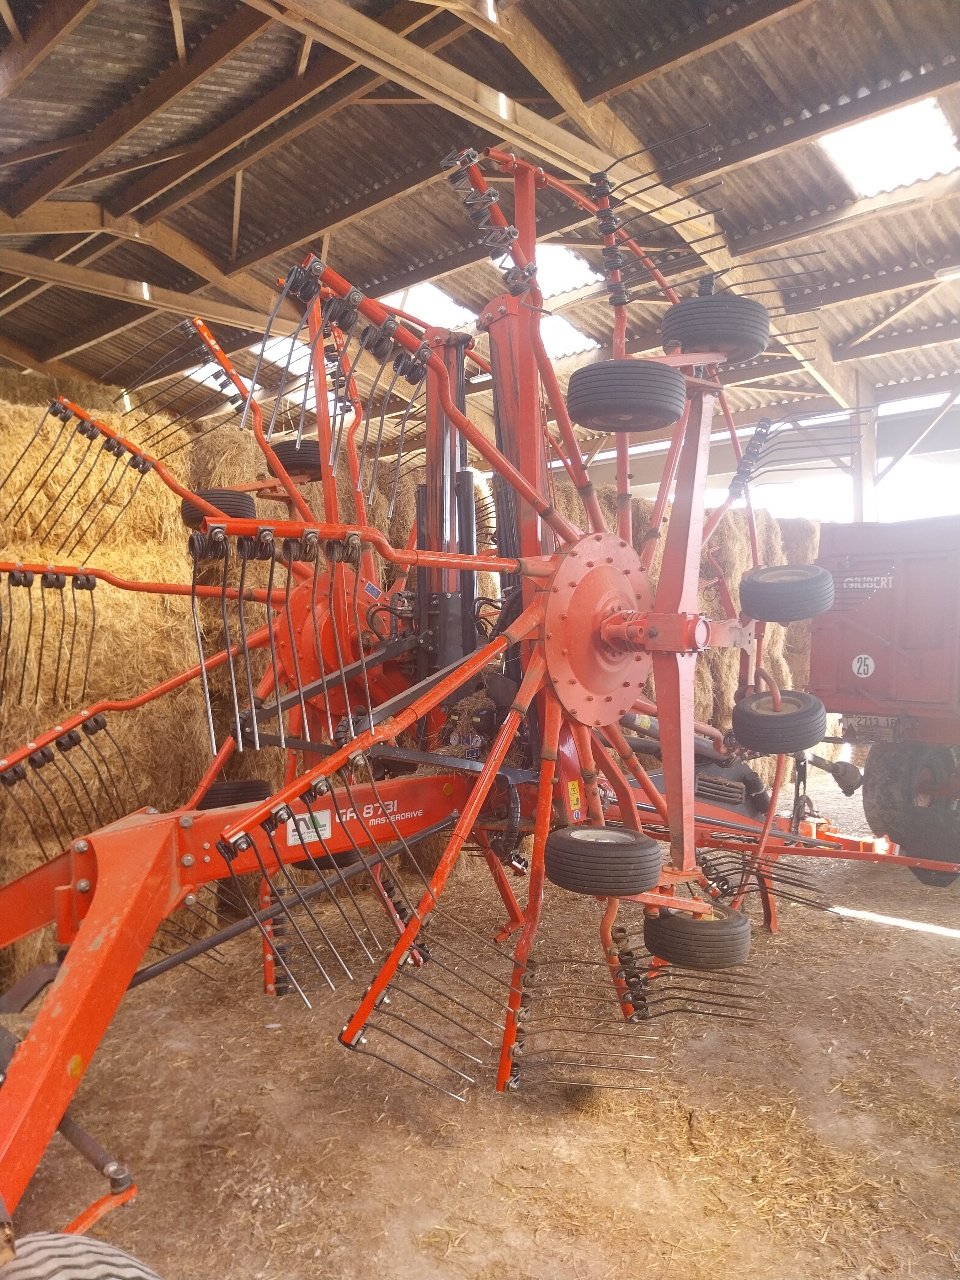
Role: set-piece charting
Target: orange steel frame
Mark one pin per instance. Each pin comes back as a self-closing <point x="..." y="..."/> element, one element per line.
<point x="106" y="904"/>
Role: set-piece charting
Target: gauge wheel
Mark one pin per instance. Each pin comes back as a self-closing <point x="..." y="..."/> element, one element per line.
<point x="626" y="395"/>
<point x="715" y="941"/>
<point x="727" y="322"/>
<point x="786" y="592"/>
<point x="799" y="724"/>
<point x="606" y="862"/>
<point x="231" y="502"/>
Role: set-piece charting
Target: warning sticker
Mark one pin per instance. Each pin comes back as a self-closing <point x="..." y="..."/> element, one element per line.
<point x="573" y="795"/>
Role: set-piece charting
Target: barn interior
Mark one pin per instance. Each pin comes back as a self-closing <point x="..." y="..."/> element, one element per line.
<point x="179" y="159"/>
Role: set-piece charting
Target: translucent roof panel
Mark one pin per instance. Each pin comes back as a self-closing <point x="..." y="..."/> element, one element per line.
<point x="910" y="144"/>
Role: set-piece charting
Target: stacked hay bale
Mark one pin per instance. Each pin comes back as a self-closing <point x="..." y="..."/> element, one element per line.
<point x="139" y="639"/>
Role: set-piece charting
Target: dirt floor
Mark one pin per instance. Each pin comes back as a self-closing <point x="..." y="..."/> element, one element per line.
<point x="822" y="1141"/>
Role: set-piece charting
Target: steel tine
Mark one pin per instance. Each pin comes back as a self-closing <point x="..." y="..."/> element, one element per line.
<point x="271" y="573"/>
<point x="194" y="544"/>
<point x="408" y="994"/>
<point x="65" y="433"/>
<point x="28" y="586"/>
<point x="416" y="975"/>
<point x="414" y="1026"/>
<point x="376" y="1026"/>
<point x="288" y="876"/>
<point x="431" y="1084"/>
<point x="264" y="931"/>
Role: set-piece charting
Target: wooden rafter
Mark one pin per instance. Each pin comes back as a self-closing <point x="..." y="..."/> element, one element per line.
<point x="224" y="41"/>
<point x="241" y="130"/>
<point x="55" y="23"/>
<point x="318" y="223"/>
<point x="10" y="22"/>
<point x="936" y="335"/>
<point x="179" y="39"/>
<point x="742" y="20"/>
<point x="82" y="250"/>
<point x="17" y="354"/>
<point x="916" y="83"/>
<point x="799" y="301"/>
<point x="139" y="292"/>
<point x="845" y="217"/>
<point x="75" y="216"/>
<point x="896" y="313"/>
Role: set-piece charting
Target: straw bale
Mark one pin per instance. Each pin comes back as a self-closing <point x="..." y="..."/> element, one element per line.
<point x="17" y="387"/>
<point x="801" y="540"/>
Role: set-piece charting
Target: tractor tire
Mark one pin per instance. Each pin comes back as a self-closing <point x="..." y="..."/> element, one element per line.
<point x="52" y="1256"/>
<point x="786" y="592"/>
<point x="799" y="725"/>
<point x="886" y="785"/>
<point x="716" y="942"/>
<point x="605" y="862"/>
<point x="894" y="777"/>
<point x="737" y="326"/>
<point x="304" y="461"/>
<point x="626" y="395"/>
<point x="232" y="502"/>
<point x="237" y="791"/>
<point x="933" y="832"/>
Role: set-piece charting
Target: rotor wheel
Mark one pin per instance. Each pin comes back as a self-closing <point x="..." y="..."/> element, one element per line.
<point x="226" y="792"/>
<point x="298" y="460"/>
<point x="727" y="322"/>
<point x="799" y="724"/>
<point x="231" y="502"/>
<point x="626" y="395"/>
<point x="786" y="592"/>
<point x="606" y="862"/>
<point x="50" y="1255"/>
<point x="716" y="941"/>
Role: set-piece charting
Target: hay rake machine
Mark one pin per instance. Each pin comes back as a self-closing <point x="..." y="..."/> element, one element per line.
<point x="421" y="718"/>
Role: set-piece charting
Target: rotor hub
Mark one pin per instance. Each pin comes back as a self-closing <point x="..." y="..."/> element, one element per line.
<point x="598" y="579"/>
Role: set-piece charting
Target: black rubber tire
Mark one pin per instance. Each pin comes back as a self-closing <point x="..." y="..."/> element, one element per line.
<point x="891" y="778"/>
<point x="605" y="862"/>
<point x="232" y="502"/>
<point x="932" y="832"/>
<point x="737" y="326"/>
<point x="799" y="725"/>
<point x="626" y="395"/>
<point x="236" y="791"/>
<point x="706" y="943"/>
<point x="299" y="462"/>
<point x="887" y="773"/>
<point x="48" y="1255"/>
<point x="786" y="592"/>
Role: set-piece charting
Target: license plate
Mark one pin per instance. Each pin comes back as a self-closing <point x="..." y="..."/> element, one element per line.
<point x="863" y="728"/>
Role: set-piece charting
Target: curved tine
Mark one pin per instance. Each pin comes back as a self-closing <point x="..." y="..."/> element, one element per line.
<point x="23" y="452"/>
<point x="281" y="298"/>
<point x="400" y="434"/>
<point x="342" y="375"/>
<point x="399" y="455"/>
<point x="370" y="394"/>
<point x="283" y="378"/>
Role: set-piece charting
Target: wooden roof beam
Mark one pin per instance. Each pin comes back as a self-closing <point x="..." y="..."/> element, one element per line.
<point x="84" y="217"/>
<point x="914" y="340"/>
<point x="910" y="86"/>
<point x="233" y="144"/>
<point x="224" y="41"/>
<point x="743" y="19"/>
<point x="845" y="217"/>
<point x="799" y="301"/>
<point x="139" y="292"/>
<point x="55" y="23"/>
<point x="9" y="20"/>
<point x="351" y="90"/>
<point x="17" y="354"/>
